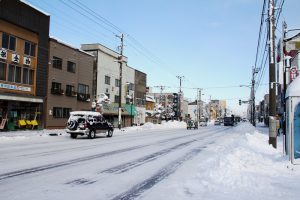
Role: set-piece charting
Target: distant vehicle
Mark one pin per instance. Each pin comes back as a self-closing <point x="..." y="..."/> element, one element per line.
<point x="203" y="122"/>
<point x="88" y="123"/>
<point x="229" y="121"/>
<point x="217" y="122"/>
<point x="192" y="124"/>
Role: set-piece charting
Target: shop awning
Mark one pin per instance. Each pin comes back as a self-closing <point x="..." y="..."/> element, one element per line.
<point x="19" y="98"/>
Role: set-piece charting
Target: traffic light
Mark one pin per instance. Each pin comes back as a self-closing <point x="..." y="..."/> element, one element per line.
<point x="240" y="102"/>
<point x="175" y="104"/>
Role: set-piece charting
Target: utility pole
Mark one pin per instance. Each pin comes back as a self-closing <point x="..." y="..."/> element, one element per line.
<point x="284" y="28"/>
<point x="253" y="111"/>
<point x="272" y="90"/>
<point x="179" y="110"/>
<point x="161" y="87"/>
<point x="120" y="60"/>
<point x="199" y="107"/>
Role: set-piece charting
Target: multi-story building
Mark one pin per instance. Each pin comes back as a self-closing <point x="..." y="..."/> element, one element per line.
<point x="217" y="108"/>
<point x="107" y="70"/>
<point x="196" y="111"/>
<point x="24" y="34"/>
<point x="140" y="96"/>
<point x="69" y="82"/>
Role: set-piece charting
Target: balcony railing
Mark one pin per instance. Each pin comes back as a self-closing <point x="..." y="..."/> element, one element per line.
<point x="71" y="93"/>
<point x="83" y="97"/>
<point x="57" y="91"/>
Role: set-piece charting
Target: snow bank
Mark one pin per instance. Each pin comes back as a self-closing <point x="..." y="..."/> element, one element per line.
<point x="241" y="165"/>
<point x="163" y="125"/>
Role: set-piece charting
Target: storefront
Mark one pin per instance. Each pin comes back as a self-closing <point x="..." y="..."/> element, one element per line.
<point x="18" y="112"/>
<point x="293" y="121"/>
<point x="110" y="113"/>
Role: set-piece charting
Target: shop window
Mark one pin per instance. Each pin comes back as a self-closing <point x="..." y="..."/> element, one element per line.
<point x="71" y="67"/>
<point x="8" y="42"/>
<point x="107" y="80"/>
<point x="57" y="112"/>
<point x="14" y="74"/>
<point x="29" y="49"/>
<point x="28" y="76"/>
<point x="57" y="62"/>
<point x="66" y="112"/>
<point x="3" y="71"/>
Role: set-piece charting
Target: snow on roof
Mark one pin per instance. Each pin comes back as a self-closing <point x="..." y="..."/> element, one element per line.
<point x="32" y="6"/>
<point x="70" y="46"/>
<point x="85" y="113"/>
<point x="294" y="88"/>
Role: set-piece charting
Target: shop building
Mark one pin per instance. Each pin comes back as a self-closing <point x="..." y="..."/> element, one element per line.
<point x="69" y="82"/>
<point x="24" y="34"/>
<point x="107" y="75"/>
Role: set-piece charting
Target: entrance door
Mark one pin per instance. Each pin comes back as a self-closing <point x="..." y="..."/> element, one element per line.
<point x="297" y="132"/>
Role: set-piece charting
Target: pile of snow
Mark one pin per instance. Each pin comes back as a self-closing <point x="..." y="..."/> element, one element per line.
<point x="164" y="125"/>
<point x="241" y="165"/>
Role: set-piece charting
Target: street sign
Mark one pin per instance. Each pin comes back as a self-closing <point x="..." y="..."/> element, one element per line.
<point x="293" y="73"/>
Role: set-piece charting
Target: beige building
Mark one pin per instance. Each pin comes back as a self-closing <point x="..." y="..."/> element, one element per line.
<point x="70" y="79"/>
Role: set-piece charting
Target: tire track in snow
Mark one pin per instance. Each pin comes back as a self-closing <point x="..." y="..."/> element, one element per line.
<point x="83" y="159"/>
<point x="166" y="171"/>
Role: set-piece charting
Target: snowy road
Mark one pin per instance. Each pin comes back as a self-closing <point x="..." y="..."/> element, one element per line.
<point x="126" y="166"/>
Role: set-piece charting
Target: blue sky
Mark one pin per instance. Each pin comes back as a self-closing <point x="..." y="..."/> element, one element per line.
<point x="211" y="43"/>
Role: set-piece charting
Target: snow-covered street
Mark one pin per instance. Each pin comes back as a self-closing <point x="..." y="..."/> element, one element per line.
<point x="150" y="162"/>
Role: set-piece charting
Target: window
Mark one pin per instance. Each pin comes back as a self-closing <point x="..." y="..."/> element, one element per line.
<point x="57" y="112"/>
<point x="29" y="49"/>
<point x="117" y="81"/>
<point x="108" y="95"/>
<point x="14" y="74"/>
<point x="107" y="80"/>
<point x="71" y="67"/>
<point x="66" y="112"/>
<point x="70" y="90"/>
<point x="130" y="86"/>
<point x="83" y="89"/>
<point x="8" y="42"/>
<point x="83" y="93"/>
<point x="56" y="88"/>
<point x="57" y="62"/>
<point x="116" y="98"/>
<point x="28" y="75"/>
<point x="2" y="71"/>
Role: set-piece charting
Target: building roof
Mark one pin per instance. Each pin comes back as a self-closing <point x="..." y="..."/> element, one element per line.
<point x="32" y="6"/>
<point x="68" y="45"/>
<point x="104" y="49"/>
<point x="293" y="89"/>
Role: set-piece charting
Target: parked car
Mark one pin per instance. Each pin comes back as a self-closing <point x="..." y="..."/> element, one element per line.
<point x="203" y="122"/>
<point x="88" y="123"/>
<point x="192" y="124"/>
<point x="217" y="122"/>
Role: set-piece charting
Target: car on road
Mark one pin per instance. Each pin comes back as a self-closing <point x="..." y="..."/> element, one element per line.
<point x="217" y="122"/>
<point x="203" y="122"/>
<point x="88" y="123"/>
<point x="192" y="124"/>
<point x="229" y="121"/>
